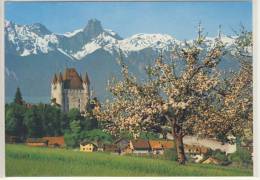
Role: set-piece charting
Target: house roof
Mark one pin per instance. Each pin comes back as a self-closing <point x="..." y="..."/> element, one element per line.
<point x="155" y="144"/>
<point x="122" y="143"/>
<point x="110" y="147"/>
<point x="140" y="144"/>
<point x="86" y="143"/>
<point x="36" y="140"/>
<point x="59" y="140"/>
<point x="167" y="144"/>
<point x="120" y="139"/>
<point x="71" y="79"/>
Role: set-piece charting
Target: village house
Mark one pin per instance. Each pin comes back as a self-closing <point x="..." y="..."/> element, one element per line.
<point x="195" y="152"/>
<point x="12" y="139"/>
<point x="140" y="146"/>
<point x="167" y="144"/>
<point x="209" y="143"/>
<point x="88" y="147"/>
<point x="123" y="145"/>
<point x="57" y="141"/>
<point x="100" y="146"/>
<point x="36" y="142"/>
<point x="110" y="148"/>
<point x="156" y="147"/>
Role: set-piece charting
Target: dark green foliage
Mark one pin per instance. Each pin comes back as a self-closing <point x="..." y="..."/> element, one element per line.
<point x="46" y="120"/>
<point x="72" y="137"/>
<point x="33" y="123"/>
<point x="126" y="135"/>
<point x="36" y="121"/>
<point x="242" y="157"/>
<point x="220" y="155"/>
<point x="170" y="154"/>
<point x="18" y="97"/>
<point x="96" y="135"/>
<point x="149" y="135"/>
<point x="14" y="120"/>
<point x="74" y="114"/>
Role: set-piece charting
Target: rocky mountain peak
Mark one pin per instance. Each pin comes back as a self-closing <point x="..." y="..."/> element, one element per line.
<point x="93" y="28"/>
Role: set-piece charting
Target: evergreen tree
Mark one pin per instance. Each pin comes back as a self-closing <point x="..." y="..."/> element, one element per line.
<point x="18" y="97"/>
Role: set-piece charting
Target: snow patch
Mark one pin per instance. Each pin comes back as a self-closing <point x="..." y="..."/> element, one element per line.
<point x="86" y="50"/>
<point x="70" y="34"/>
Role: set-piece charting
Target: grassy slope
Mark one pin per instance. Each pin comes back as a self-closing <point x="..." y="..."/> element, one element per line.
<point x="33" y="161"/>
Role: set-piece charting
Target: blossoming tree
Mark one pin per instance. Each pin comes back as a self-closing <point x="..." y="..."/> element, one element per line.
<point x="188" y="94"/>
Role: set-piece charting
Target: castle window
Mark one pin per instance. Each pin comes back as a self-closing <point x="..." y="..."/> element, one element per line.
<point x="79" y="103"/>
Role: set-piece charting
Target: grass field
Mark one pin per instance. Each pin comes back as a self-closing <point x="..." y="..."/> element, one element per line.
<point x="32" y="161"/>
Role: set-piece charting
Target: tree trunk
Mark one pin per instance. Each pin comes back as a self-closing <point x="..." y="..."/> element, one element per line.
<point x="179" y="149"/>
<point x="177" y="134"/>
<point x="178" y="139"/>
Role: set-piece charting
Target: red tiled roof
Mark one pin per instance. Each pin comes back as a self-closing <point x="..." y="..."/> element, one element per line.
<point x="167" y="144"/>
<point x="155" y="144"/>
<point x="36" y="140"/>
<point x="55" y="140"/>
<point x="140" y="144"/>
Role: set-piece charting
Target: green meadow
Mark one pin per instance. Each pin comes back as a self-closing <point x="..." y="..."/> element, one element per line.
<point x="34" y="161"/>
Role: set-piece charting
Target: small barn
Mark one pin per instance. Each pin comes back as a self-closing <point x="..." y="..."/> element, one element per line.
<point x="156" y="146"/>
<point x="36" y="142"/>
<point x="167" y="144"/>
<point x="88" y="147"/>
<point x="12" y="139"/>
<point x="55" y="141"/>
<point x="122" y="145"/>
<point x="111" y="148"/>
<point x="140" y="146"/>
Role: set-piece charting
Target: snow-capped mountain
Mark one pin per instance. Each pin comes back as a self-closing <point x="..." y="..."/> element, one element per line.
<point x="34" y="53"/>
<point x="36" y="38"/>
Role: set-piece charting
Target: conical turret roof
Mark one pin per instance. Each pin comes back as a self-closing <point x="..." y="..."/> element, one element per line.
<point x="86" y="79"/>
<point x="54" y="80"/>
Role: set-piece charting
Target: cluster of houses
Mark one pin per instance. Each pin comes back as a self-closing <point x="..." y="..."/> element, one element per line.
<point x="125" y="146"/>
<point x="143" y="147"/>
<point x="194" y="147"/>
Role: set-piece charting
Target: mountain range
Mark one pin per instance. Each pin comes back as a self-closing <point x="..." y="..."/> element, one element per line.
<point x="33" y="54"/>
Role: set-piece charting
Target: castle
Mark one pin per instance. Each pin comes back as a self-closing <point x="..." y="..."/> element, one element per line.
<point x="70" y="90"/>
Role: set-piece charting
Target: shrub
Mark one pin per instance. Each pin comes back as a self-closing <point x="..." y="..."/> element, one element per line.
<point x="170" y="154"/>
<point x="241" y="157"/>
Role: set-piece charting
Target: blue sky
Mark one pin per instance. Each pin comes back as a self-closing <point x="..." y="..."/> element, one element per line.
<point x="127" y="18"/>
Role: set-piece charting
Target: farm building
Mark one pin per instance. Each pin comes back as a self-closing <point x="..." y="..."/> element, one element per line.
<point x="140" y="146"/>
<point x="37" y="142"/>
<point x="111" y="148"/>
<point x="167" y="144"/>
<point x="123" y="145"/>
<point x="12" y="139"/>
<point x="88" y="147"/>
<point x="55" y="141"/>
<point x="156" y="146"/>
<point x="210" y="143"/>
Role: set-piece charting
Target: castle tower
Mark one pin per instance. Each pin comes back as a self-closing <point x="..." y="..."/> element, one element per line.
<point x="70" y="90"/>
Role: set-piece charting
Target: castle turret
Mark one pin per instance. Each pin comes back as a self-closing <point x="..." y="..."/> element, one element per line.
<point x="70" y="90"/>
<point x="54" y="80"/>
<point x="56" y="90"/>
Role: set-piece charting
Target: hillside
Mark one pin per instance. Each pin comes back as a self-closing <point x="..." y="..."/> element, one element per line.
<point x="31" y="161"/>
